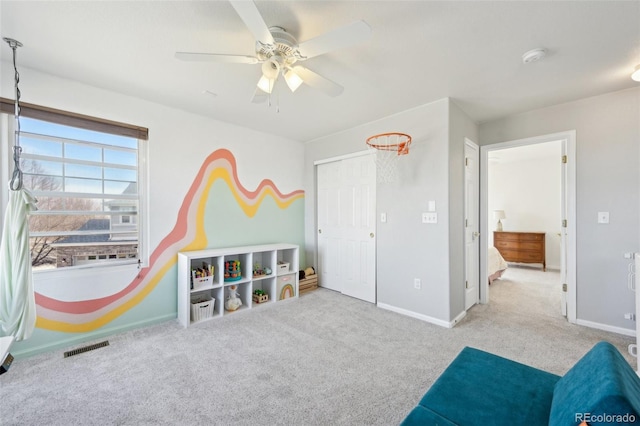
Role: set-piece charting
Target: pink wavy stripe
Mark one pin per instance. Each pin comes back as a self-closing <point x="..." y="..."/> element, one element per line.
<point x="182" y="233"/>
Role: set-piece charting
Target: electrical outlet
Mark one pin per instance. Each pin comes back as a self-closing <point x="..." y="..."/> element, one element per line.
<point x="630" y="316"/>
<point x="417" y="284"/>
<point x="383" y="217"/>
<point x="603" y="217"/>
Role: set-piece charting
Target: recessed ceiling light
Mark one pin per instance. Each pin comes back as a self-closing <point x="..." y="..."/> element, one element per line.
<point x="534" y="55"/>
<point x="636" y="74"/>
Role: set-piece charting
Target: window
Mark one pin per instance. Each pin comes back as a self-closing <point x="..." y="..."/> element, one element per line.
<point x="88" y="186"/>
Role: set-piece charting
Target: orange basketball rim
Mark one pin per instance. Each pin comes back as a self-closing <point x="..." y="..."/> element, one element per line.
<point x="392" y="141"/>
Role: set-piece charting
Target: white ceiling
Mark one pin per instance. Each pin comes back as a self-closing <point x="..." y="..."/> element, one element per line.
<point x="420" y="51"/>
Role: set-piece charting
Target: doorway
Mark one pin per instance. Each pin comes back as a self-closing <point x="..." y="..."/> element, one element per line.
<point x="346" y="209"/>
<point x="567" y="216"/>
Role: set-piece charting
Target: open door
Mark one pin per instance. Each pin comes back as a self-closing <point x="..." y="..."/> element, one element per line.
<point x="563" y="232"/>
<point x="472" y="223"/>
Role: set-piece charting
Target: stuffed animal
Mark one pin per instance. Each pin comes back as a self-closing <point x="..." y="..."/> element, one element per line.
<point x="233" y="300"/>
<point x="302" y="274"/>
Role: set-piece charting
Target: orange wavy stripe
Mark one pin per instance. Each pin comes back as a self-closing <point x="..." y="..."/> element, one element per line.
<point x="177" y="235"/>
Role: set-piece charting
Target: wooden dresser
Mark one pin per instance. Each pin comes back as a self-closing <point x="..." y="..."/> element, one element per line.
<point x="523" y="247"/>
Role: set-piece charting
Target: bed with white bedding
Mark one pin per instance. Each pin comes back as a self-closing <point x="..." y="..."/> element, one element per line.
<point x="496" y="264"/>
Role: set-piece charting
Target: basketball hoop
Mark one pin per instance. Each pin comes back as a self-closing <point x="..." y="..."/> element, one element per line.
<point x="389" y="147"/>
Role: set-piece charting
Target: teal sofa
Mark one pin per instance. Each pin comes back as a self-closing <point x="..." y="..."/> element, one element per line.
<point x="479" y="388"/>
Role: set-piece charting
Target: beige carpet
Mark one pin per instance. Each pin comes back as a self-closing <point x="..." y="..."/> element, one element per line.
<point x="323" y="359"/>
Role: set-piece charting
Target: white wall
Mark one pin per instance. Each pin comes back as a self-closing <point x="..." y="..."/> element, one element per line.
<point x="407" y="248"/>
<point x="529" y="191"/>
<point x="178" y="140"/>
<point x="607" y="166"/>
<point x="178" y="144"/>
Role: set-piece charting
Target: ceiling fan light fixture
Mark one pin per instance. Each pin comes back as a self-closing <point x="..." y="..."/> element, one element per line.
<point x="636" y="74"/>
<point x="271" y="69"/>
<point x="266" y="84"/>
<point x="293" y="80"/>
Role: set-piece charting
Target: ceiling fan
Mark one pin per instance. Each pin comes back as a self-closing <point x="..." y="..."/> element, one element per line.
<point x="279" y="52"/>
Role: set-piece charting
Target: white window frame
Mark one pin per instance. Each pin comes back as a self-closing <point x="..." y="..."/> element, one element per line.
<point x="7" y="140"/>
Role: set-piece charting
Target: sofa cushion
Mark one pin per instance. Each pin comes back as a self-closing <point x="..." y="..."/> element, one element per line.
<point x="421" y="416"/>
<point x="601" y="383"/>
<point x="479" y="388"/>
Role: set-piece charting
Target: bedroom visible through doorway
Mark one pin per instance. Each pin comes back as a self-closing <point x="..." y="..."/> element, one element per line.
<point x="529" y="186"/>
<point x="524" y="194"/>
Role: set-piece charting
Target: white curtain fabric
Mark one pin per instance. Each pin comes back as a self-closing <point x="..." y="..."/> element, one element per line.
<point x="17" y="299"/>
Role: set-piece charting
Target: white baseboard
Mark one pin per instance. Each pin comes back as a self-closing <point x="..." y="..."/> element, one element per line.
<point x="458" y="318"/>
<point x="87" y="337"/>
<point x="421" y="317"/>
<point x="605" y="327"/>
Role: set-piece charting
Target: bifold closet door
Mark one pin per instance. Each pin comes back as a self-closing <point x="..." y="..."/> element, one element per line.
<point x="346" y="208"/>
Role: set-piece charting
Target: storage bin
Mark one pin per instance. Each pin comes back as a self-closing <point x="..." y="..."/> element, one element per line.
<point x="286" y="286"/>
<point x="310" y="282"/>
<point x="198" y="283"/>
<point x="202" y="309"/>
<point x="283" y="267"/>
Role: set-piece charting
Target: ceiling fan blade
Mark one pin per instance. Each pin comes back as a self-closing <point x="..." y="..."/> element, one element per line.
<point x="339" y="38"/>
<point x="215" y="57"/>
<point x="318" y="82"/>
<point x="253" y="20"/>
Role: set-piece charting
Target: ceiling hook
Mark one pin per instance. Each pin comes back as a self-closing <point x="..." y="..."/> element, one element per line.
<point x="12" y="43"/>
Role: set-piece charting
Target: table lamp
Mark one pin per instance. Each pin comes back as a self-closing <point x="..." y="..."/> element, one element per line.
<point x="499" y="215"/>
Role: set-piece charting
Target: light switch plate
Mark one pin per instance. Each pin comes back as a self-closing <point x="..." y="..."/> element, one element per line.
<point x="432" y="206"/>
<point x="430" y="217"/>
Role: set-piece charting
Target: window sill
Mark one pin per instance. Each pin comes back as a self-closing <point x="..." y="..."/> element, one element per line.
<point x="98" y="267"/>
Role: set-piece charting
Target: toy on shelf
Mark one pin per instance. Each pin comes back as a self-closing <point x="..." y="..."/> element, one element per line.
<point x="233" y="300"/>
<point x="259" y="296"/>
<point x="259" y="271"/>
<point x="232" y="270"/>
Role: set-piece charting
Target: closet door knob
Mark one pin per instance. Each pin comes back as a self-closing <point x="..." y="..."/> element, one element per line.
<point x="372" y="235"/>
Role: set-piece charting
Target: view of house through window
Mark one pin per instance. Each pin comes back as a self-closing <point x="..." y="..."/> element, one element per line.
<point x="86" y="183"/>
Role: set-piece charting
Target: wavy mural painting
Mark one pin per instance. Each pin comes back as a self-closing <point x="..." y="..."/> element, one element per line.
<point x="187" y="234"/>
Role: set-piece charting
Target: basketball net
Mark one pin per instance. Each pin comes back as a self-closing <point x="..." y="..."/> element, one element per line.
<point x="388" y="148"/>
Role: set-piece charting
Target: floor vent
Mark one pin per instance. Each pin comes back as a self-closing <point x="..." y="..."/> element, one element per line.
<point x="86" y="349"/>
